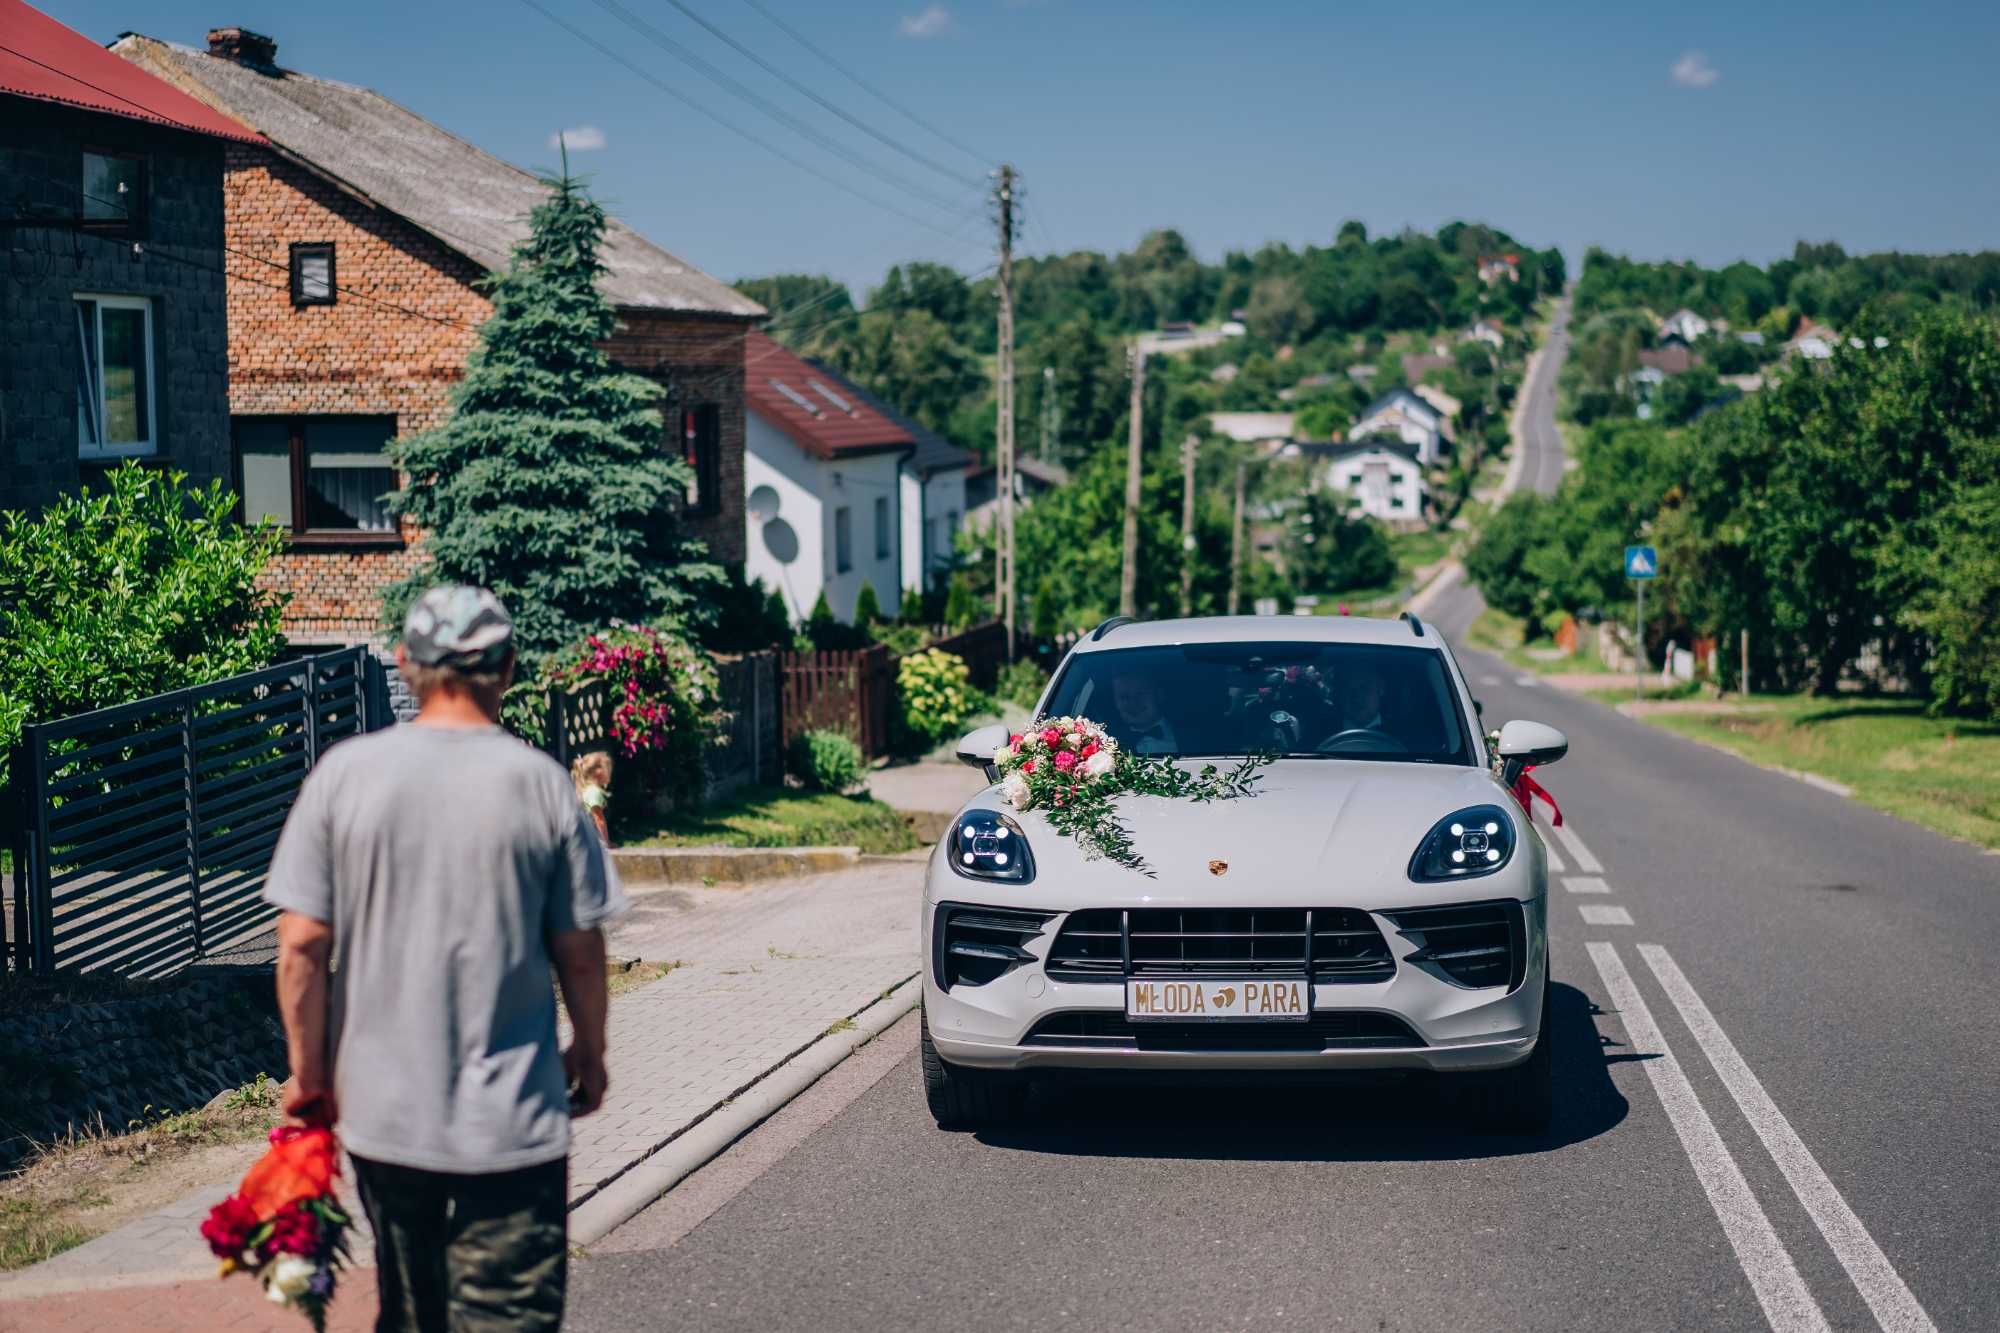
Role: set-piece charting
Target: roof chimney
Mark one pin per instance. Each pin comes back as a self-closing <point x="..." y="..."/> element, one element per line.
<point x="243" y="46"/>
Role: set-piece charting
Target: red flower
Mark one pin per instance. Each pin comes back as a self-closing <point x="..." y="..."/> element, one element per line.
<point x="1015" y="740"/>
<point x="293" y="1231"/>
<point x="1028" y="767"/>
<point x="1051" y="737"/>
<point x="228" y="1227"/>
<point x="1087" y="750"/>
<point x="1065" y="760"/>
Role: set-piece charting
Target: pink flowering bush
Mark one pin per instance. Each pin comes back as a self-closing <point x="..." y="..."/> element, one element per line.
<point x="661" y="703"/>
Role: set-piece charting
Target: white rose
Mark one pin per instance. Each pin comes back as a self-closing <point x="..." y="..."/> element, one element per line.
<point x="1002" y="755"/>
<point x="1074" y="740"/>
<point x="289" y="1277"/>
<point x="1098" y="764"/>
<point x="1015" y="790"/>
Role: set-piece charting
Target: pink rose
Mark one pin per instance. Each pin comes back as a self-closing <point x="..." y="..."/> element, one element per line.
<point x="1051" y="738"/>
<point x="1065" y="761"/>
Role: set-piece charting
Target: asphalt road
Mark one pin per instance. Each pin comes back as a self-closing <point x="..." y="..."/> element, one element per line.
<point x="1543" y="467"/>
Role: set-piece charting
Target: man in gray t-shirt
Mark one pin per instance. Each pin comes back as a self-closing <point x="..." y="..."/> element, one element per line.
<point x="430" y="877"/>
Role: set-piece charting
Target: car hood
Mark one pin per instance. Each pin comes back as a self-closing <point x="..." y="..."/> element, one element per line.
<point x="1331" y="832"/>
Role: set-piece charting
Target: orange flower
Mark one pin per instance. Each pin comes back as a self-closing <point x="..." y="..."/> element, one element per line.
<point x="300" y="1164"/>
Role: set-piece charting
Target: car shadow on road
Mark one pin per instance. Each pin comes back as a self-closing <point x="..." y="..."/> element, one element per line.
<point x="1416" y="1118"/>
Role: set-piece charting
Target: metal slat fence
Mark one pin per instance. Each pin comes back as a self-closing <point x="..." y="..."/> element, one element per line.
<point x="142" y="832"/>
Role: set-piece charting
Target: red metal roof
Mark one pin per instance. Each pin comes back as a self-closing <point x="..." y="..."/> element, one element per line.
<point x="818" y="410"/>
<point x="42" y="59"/>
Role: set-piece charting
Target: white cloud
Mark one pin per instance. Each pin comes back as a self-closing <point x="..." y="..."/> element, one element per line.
<point x="1693" y="71"/>
<point x="581" y="139"/>
<point x="930" y="21"/>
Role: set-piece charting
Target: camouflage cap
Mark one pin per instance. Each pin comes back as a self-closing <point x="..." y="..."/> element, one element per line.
<point x="458" y="626"/>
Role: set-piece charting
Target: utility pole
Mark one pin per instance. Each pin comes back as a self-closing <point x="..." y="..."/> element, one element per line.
<point x="1003" y="553"/>
<point x="1236" y="545"/>
<point x="1128" y="583"/>
<point x="1048" y="410"/>
<point x="1188" y="446"/>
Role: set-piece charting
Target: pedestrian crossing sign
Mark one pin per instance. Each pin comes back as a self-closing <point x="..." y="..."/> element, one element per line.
<point x="1641" y="562"/>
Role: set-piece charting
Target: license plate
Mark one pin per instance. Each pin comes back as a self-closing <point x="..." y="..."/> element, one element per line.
<point x="1191" y="1001"/>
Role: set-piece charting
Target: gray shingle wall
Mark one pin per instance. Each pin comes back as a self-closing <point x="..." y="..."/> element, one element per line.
<point x="41" y="271"/>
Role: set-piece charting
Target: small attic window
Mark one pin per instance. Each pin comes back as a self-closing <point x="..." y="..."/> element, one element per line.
<point x="840" y="404"/>
<point x="312" y="273"/>
<point x="804" y="403"/>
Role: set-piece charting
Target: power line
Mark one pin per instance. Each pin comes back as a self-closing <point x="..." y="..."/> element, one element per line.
<point x="750" y="96"/>
<point x="765" y="144"/>
<point x="984" y="159"/>
<point x="803" y="90"/>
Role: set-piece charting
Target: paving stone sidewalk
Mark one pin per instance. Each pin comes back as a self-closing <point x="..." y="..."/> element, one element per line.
<point x="766" y="970"/>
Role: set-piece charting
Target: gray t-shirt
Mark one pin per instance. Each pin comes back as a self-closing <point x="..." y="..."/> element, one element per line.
<point x="445" y="859"/>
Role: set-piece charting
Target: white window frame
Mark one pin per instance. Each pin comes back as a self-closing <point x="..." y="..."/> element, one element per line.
<point x="138" y="448"/>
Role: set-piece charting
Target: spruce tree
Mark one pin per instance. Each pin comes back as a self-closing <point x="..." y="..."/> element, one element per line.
<point x="551" y="483"/>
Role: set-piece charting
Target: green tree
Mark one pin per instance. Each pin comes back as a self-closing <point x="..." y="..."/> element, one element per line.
<point x="1328" y="552"/>
<point x="867" y="606"/>
<point x="549" y="484"/>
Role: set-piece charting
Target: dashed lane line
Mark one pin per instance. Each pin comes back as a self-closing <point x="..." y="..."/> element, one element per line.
<point x="1528" y="681"/>
<point x="1604" y="914"/>
<point x="1586" y="884"/>
<point x="1788" y="1307"/>
<point x="1578" y="852"/>
<point x="1896" y="1309"/>
<point x="1555" y="860"/>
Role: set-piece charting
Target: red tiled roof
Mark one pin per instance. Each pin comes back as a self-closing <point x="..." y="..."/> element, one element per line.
<point x="815" y="408"/>
<point x="42" y="59"/>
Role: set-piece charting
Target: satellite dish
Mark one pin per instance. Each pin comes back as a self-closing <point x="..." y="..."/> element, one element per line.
<point x="781" y="541"/>
<point x="763" y="503"/>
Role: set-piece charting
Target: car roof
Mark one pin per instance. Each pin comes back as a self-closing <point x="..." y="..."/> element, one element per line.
<point x="1257" y="629"/>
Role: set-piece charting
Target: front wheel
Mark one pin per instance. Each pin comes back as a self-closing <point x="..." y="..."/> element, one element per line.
<point x="962" y="1098"/>
<point x="1520" y="1099"/>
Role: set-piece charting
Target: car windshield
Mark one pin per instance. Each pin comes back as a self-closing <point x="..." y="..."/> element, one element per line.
<point x="1319" y="700"/>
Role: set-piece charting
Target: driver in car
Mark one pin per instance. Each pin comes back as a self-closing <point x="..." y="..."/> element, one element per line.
<point x="1142" y="728"/>
<point x="1360" y="699"/>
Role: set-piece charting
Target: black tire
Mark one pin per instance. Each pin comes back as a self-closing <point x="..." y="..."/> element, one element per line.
<point x="962" y="1098"/>
<point x="1519" y="1099"/>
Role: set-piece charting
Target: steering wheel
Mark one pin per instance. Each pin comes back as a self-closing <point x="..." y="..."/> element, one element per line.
<point x="1376" y="738"/>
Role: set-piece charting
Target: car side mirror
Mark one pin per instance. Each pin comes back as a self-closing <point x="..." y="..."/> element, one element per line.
<point x="976" y="748"/>
<point x="1526" y="744"/>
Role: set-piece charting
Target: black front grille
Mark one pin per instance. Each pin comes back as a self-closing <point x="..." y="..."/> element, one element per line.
<point x="1109" y="944"/>
<point x="1330" y="1029"/>
<point x="1475" y="945"/>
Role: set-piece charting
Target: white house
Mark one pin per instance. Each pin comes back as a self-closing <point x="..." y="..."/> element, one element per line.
<point x="823" y="471"/>
<point x="1401" y="413"/>
<point x="1814" y="342"/>
<point x="1251" y="427"/>
<point x="1381" y="475"/>
<point x="931" y="495"/>
<point x="1685" y="325"/>
<point x="1487" y="331"/>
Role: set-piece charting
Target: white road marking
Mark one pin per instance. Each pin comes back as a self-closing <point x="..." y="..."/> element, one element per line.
<point x="1491" y="680"/>
<point x="1527" y="680"/>
<point x="1577" y="851"/>
<point x="1604" y="914"/>
<point x="1556" y="863"/>
<point x="1586" y="884"/>
<point x="1780" y="1291"/>
<point x="1874" y="1276"/>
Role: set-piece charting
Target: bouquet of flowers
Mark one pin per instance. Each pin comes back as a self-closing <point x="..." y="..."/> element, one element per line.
<point x="1073" y="771"/>
<point x="284" y="1223"/>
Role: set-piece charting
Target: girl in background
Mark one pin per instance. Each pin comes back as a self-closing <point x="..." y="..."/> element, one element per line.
<point x="592" y="775"/>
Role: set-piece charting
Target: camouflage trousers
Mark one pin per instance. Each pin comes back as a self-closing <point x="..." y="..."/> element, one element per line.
<point x="468" y="1253"/>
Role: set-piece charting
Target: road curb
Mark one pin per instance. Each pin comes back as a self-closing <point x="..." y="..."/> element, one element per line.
<point x="1448" y="576"/>
<point x="698" y="1144"/>
<point x="728" y="865"/>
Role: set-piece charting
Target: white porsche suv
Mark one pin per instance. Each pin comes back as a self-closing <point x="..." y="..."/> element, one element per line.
<point x="1378" y="902"/>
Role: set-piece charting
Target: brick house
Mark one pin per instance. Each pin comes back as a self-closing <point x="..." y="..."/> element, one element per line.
<point x="111" y="278"/>
<point x="357" y="238"/>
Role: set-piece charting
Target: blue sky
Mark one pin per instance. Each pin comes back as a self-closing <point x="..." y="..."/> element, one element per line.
<point x="1696" y="130"/>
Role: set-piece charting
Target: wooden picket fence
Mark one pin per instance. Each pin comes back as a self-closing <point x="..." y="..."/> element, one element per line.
<point x="853" y="693"/>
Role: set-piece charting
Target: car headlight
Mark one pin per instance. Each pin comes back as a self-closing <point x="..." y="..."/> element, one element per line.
<point x="985" y="844"/>
<point x="1475" y="841"/>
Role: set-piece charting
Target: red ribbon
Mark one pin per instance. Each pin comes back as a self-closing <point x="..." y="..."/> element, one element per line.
<point x="1526" y="789"/>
